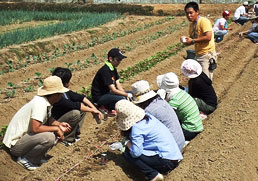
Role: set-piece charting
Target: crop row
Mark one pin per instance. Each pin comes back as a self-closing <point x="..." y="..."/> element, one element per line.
<point x="11" y="66"/>
<point x="86" y="20"/>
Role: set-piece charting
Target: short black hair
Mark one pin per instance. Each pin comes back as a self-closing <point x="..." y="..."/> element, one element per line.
<point x="64" y="73"/>
<point x="193" y="5"/>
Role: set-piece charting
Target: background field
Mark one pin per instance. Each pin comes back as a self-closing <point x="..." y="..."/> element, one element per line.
<point x="225" y="150"/>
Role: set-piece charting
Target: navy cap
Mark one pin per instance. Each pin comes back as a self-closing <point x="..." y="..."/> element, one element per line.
<point x="115" y="52"/>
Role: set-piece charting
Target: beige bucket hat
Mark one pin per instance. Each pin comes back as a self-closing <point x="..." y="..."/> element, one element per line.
<point x="191" y="68"/>
<point x="128" y="114"/>
<point x="141" y="91"/>
<point x="51" y="85"/>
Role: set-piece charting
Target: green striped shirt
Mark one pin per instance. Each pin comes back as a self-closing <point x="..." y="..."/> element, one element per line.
<point x="187" y="111"/>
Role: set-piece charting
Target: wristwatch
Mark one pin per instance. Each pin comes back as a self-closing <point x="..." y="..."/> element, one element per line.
<point x="193" y="41"/>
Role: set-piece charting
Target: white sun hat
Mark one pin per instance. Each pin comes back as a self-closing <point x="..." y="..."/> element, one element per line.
<point x="128" y="114"/>
<point x="168" y="81"/>
<point x="191" y="68"/>
<point x="52" y="85"/>
<point x="141" y="91"/>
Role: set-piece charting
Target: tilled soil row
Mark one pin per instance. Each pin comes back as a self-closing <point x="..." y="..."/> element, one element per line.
<point x="84" y="78"/>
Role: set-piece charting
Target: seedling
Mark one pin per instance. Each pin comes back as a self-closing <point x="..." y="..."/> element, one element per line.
<point x="2" y="133"/>
<point x="38" y="76"/>
<point x="29" y="89"/>
<point x="10" y="93"/>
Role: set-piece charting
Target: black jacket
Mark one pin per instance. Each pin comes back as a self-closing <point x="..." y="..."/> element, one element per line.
<point x="201" y="87"/>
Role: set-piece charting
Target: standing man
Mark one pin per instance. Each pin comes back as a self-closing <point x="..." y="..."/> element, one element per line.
<point x="202" y="37"/>
<point x="32" y="132"/>
<point x="106" y="89"/>
<point x="240" y="15"/>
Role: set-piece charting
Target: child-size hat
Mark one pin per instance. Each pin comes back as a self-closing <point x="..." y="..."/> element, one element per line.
<point x="115" y="52"/>
<point x="168" y="81"/>
<point x="141" y="91"/>
<point x="128" y="114"/>
<point x="52" y="85"/>
<point x="191" y="68"/>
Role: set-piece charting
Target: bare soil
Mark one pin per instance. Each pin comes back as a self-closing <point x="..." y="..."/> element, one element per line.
<point x="225" y="150"/>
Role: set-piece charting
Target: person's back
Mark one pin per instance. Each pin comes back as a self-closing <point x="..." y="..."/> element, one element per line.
<point x="21" y="120"/>
<point x="157" y="139"/>
<point x="187" y="111"/>
<point x="161" y="110"/>
<point x="239" y="12"/>
<point x="201" y="87"/>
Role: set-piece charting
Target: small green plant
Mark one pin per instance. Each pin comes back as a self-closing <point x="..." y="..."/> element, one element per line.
<point x="2" y="133"/>
<point x="12" y="85"/>
<point x="51" y="70"/>
<point x="30" y="88"/>
<point x="10" y="93"/>
<point x="38" y="76"/>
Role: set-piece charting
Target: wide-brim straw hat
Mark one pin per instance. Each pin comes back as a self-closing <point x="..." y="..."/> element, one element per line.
<point x="141" y="91"/>
<point x="52" y="85"/>
<point x="128" y="114"/>
<point x="191" y="68"/>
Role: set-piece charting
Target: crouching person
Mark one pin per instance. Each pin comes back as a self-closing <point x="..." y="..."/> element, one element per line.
<point x="184" y="105"/>
<point x="31" y="132"/>
<point x="200" y="86"/>
<point x="151" y="147"/>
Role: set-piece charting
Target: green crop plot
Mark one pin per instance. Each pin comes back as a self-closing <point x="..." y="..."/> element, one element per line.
<point x="69" y="22"/>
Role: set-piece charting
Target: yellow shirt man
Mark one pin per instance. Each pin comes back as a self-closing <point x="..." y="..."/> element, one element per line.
<point x="203" y="25"/>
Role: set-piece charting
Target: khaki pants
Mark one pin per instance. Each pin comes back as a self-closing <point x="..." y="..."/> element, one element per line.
<point x="204" y="60"/>
<point x="33" y="146"/>
<point x="75" y="119"/>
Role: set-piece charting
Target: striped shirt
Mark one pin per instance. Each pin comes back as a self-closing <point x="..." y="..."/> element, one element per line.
<point x="187" y="111"/>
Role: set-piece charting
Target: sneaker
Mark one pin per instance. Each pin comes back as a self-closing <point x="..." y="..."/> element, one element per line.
<point x="66" y="143"/>
<point x="186" y="143"/>
<point x="26" y="164"/>
<point x="159" y="177"/>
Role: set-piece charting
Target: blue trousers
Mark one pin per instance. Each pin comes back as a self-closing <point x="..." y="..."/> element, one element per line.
<point x="150" y="166"/>
<point x="109" y="100"/>
<point x="242" y="20"/>
<point x="253" y="36"/>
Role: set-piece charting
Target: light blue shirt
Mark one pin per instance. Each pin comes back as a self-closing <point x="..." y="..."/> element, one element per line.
<point x="150" y="137"/>
<point x="161" y="110"/>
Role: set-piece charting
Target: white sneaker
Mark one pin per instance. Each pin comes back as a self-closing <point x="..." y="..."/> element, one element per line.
<point x="26" y="164"/>
<point x="159" y="177"/>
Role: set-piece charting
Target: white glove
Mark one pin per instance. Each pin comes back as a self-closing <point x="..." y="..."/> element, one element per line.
<point x="130" y="96"/>
<point x="116" y="146"/>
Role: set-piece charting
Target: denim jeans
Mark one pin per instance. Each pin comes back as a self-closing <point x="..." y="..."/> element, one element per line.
<point x="253" y="36"/>
<point x="109" y="100"/>
<point x="150" y="166"/>
<point x="242" y="20"/>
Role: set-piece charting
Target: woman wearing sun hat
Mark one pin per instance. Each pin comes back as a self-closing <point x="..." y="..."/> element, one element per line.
<point x="152" y="103"/>
<point x="200" y="86"/>
<point x="184" y="105"/>
<point x="31" y="132"/>
<point x="151" y="147"/>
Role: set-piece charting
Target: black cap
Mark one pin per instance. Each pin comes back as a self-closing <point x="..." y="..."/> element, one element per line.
<point x="115" y="52"/>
